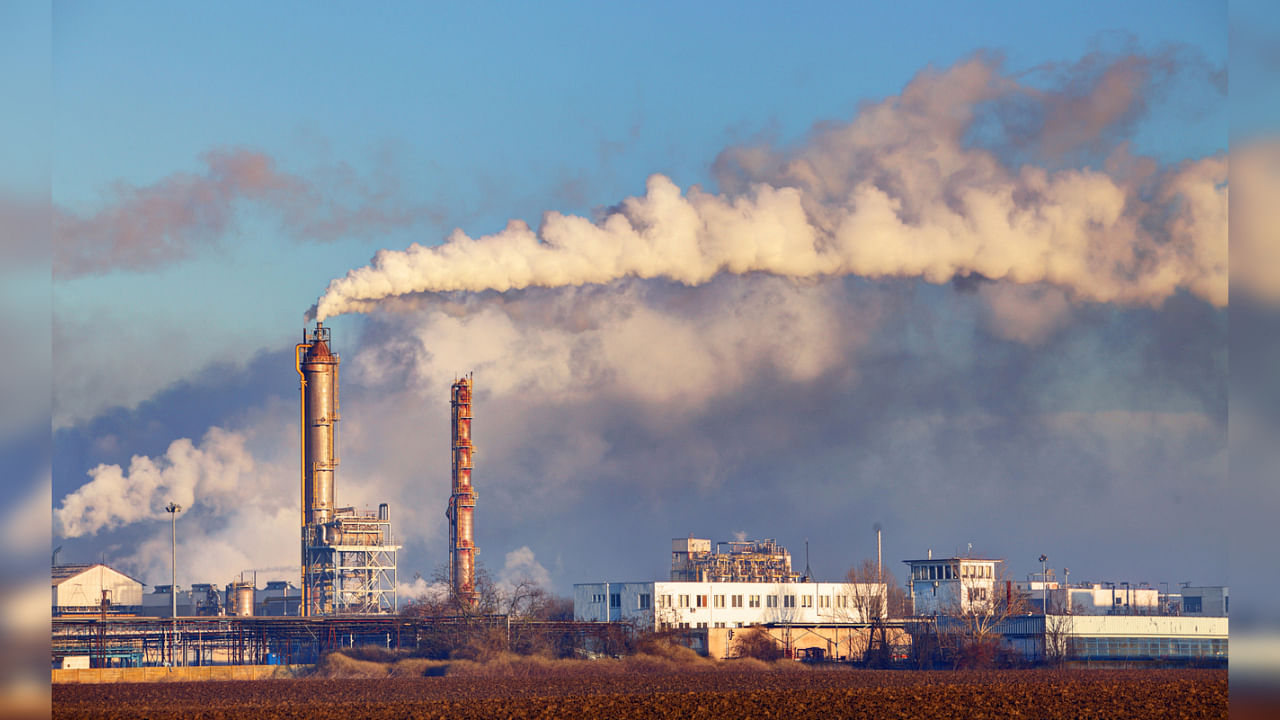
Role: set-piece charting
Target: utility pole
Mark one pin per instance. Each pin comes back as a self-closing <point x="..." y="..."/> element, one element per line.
<point x="1044" y="584"/>
<point x="173" y="509"/>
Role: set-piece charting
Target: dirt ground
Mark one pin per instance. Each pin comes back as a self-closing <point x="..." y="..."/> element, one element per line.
<point x="726" y="693"/>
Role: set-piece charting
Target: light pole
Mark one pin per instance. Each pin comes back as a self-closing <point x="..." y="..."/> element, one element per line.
<point x="173" y="509"/>
<point x="1044" y="585"/>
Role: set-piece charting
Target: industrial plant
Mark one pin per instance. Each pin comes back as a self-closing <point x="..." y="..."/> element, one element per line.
<point x="348" y="555"/>
<point x="349" y="576"/>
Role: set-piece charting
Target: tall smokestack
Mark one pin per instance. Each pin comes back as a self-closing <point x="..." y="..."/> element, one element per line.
<point x="462" y="503"/>
<point x="318" y="370"/>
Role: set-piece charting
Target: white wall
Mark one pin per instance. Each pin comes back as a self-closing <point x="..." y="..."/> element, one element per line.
<point x="676" y="603"/>
<point x="85" y="589"/>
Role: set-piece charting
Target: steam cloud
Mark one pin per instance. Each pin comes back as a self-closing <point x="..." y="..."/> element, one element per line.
<point x="220" y="468"/>
<point x="156" y="225"/>
<point x="1255" y="236"/>
<point x="904" y="190"/>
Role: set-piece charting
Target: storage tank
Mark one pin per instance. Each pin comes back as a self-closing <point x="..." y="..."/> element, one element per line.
<point x="240" y="598"/>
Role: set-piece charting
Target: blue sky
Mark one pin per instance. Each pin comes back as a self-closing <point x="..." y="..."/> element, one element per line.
<point x="465" y="116"/>
<point x="500" y="112"/>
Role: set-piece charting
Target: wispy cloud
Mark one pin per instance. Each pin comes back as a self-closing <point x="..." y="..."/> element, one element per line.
<point x="146" y="227"/>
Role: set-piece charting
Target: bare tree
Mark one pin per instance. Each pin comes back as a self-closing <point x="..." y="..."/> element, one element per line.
<point x="1057" y="638"/>
<point x="969" y="624"/>
<point x="755" y="642"/>
<point x="871" y="597"/>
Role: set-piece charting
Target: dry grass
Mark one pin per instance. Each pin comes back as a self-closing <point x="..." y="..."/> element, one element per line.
<point x="654" y="659"/>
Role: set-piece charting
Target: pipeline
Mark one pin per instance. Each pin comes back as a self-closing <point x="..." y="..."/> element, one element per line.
<point x="302" y="463"/>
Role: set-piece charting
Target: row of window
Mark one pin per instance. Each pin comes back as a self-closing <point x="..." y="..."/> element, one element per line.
<point x="1148" y="647"/>
<point x="951" y="571"/>
<point x="684" y="601"/>
<point x="686" y="626"/>
<point x="644" y="601"/>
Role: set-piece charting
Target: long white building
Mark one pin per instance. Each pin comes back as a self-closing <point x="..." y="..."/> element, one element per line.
<point x="666" y="605"/>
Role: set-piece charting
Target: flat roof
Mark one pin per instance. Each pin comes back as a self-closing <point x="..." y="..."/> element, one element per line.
<point x="960" y="559"/>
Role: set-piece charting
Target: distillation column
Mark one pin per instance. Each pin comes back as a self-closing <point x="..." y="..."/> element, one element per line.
<point x="319" y="371"/>
<point x="462" y="503"/>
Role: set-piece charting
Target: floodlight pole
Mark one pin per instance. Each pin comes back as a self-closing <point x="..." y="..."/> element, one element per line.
<point x="1044" y="584"/>
<point x="173" y="509"/>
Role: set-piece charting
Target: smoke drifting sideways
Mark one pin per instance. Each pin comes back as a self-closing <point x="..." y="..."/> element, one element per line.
<point x="153" y="226"/>
<point x="919" y="185"/>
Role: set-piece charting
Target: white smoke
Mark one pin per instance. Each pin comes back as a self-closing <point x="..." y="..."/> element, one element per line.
<point x="1255" y="234"/>
<point x="584" y="344"/>
<point x="522" y="565"/>
<point x="421" y="590"/>
<point x="897" y="192"/>
<point x="185" y="474"/>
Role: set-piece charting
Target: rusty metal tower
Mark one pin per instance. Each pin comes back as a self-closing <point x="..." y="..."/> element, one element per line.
<point x="348" y="555"/>
<point x="462" y="503"/>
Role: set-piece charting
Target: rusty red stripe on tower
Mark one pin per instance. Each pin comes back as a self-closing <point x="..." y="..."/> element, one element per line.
<point x="462" y="503"/>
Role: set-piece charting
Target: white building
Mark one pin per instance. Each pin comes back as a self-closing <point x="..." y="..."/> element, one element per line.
<point x="939" y="585"/>
<point x="1206" y="601"/>
<point x="80" y="588"/>
<point x="665" y="605"/>
<point x="1119" y="637"/>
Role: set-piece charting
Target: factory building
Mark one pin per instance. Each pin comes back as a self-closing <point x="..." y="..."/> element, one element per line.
<point x="938" y="585"/>
<point x="80" y="589"/>
<point x="751" y="584"/>
<point x="348" y="555"/>
<point x="679" y="605"/>
<point x="746" y="561"/>
<point x="1119" y="638"/>
<point x="1204" y="601"/>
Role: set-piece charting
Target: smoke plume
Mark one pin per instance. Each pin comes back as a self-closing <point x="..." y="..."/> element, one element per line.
<point x="218" y="470"/>
<point x="1255" y="235"/>
<point x="916" y="186"/>
<point x="144" y="228"/>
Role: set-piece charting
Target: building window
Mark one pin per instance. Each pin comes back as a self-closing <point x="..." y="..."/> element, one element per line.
<point x="702" y="625"/>
<point x="753" y="600"/>
<point x="719" y="625"/>
<point x="684" y="626"/>
<point x="719" y="601"/>
<point x="789" y="601"/>
<point x="664" y="601"/>
<point x="1192" y="604"/>
<point x="806" y="601"/>
<point x="702" y="600"/>
<point x="684" y="601"/>
<point x="773" y="600"/>
<point x="824" y="601"/>
<point x="615" y="600"/>
<point x="736" y="601"/>
<point x="932" y="573"/>
<point x="842" y="601"/>
<point x="645" y="601"/>
<point x="597" y="598"/>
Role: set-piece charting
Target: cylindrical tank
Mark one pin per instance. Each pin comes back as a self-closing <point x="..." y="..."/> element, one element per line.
<point x="240" y="598"/>
<point x="320" y="370"/>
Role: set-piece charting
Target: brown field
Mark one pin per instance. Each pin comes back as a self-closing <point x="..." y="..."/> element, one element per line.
<point x="725" y="692"/>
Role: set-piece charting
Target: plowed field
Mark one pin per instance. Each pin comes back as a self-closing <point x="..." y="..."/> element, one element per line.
<point x="826" y="694"/>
